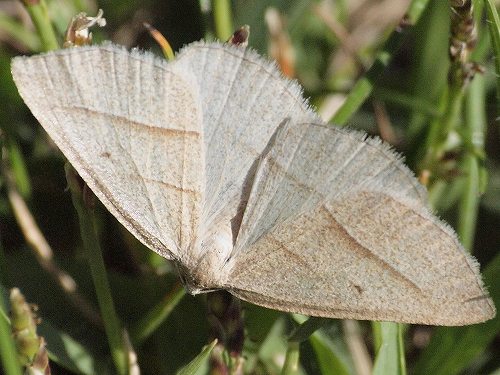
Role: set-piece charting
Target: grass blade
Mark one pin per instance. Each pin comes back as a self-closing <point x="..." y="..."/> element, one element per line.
<point x="328" y="361"/>
<point x="112" y="324"/>
<point x="8" y="353"/>
<point x="390" y="357"/>
<point x="307" y="328"/>
<point x="19" y="33"/>
<point x="291" y="365"/>
<point x="156" y="316"/>
<point x="40" y="17"/>
<point x="69" y="353"/>
<point x="494" y="29"/>
<point x="474" y="136"/>
<point x="192" y="367"/>
<point x="223" y="19"/>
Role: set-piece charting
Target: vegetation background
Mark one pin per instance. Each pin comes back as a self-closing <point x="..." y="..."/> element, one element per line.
<point x="383" y="66"/>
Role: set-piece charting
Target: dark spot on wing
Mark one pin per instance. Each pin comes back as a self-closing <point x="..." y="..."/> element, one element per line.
<point x="358" y="288"/>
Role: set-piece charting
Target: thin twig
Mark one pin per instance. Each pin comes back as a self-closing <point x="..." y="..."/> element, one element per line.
<point x="355" y="343"/>
<point x="326" y="15"/>
<point x="364" y="86"/>
<point x="44" y="254"/>
<point x="280" y="46"/>
<point x="384" y="124"/>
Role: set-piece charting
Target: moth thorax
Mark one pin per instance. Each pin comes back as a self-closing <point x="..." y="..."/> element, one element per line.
<point x="209" y="272"/>
<point x="216" y="248"/>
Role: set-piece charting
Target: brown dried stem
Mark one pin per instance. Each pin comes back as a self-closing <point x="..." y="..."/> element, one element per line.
<point x="325" y="14"/>
<point x="44" y="254"/>
<point x="359" y="352"/>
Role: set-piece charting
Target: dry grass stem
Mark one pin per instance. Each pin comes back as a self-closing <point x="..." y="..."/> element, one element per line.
<point x="355" y="343"/>
<point x="44" y="254"/>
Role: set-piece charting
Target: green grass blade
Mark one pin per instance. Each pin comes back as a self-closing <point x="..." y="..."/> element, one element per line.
<point x="328" y="361"/>
<point x="307" y="328"/>
<point x="474" y="137"/>
<point x="451" y="349"/>
<point x="19" y="33"/>
<point x="40" y="17"/>
<point x="291" y="365"/>
<point x="67" y="352"/>
<point x="223" y="19"/>
<point x="92" y="247"/>
<point x="494" y="29"/>
<point x="8" y="353"/>
<point x="469" y="202"/>
<point x="157" y="315"/>
<point x="192" y="367"/>
<point x="18" y="168"/>
<point x="390" y="358"/>
<point x="430" y="64"/>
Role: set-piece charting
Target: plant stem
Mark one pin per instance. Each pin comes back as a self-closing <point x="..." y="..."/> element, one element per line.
<point x="157" y="315"/>
<point x="222" y="19"/>
<point x="469" y="202"/>
<point x="436" y="143"/>
<point x="44" y="254"/>
<point x="474" y="135"/>
<point x="165" y="46"/>
<point x="291" y="365"/>
<point x="80" y="5"/>
<point x="192" y="367"/>
<point x="306" y="329"/>
<point x="92" y="248"/>
<point x="389" y="348"/>
<point x="401" y="347"/>
<point x="37" y="10"/>
<point x="226" y="324"/>
<point x="19" y="33"/>
<point x="493" y="21"/>
<point x="8" y="353"/>
<point x="462" y="39"/>
<point x="413" y="103"/>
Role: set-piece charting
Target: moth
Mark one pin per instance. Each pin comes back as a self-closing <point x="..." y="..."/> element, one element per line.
<point x="216" y="162"/>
